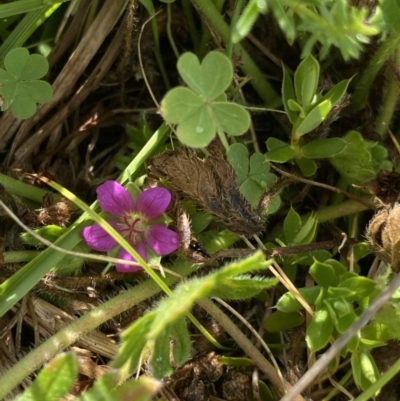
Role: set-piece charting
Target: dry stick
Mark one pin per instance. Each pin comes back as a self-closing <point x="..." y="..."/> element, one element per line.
<point x="341" y="342"/>
<point x="369" y="205"/>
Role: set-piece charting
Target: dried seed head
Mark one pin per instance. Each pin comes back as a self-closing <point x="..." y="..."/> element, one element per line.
<point x="384" y="236"/>
<point x="386" y="186"/>
<point x="211" y="183"/>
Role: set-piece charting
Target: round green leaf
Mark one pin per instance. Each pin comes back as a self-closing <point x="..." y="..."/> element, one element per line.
<point x="323" y="148"/>
<point x="210" y="78"/>
<point x="179" y="103"/>
<point x="15" y="60"/>
<point x="231" y="117"/>
<point x="323" y="274"/>
<point x="197" y="130"/>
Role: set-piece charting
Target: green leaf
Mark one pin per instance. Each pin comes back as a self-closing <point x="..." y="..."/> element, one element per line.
<point x="314" y="118"/>
<point x="369" y="370"/>
<point x="284" y="19"/>
<point x="242" y="287"/>
<point x="238" y="157"/>
<point x="306" y="81"/>
<point x="202" y="111"/>
<point x="291" y="226"/>
<point x="51" y="233"/>
<point x="160" y="360"/>
<point x="280" y="155"/>
<point x="307" y="166"/>
<point x="281" y="321"/>
<point x="361" y="160"/>
<point x="361" y="286"/>
<point x="307" y="232"/>
<point x="390" y="10"/>
<point x="19" y="85"/>
<point x="253" y="175"/>
<point x="323" y="274"/>
<point x="337" y="92"/>
<point x="231" y="117"/>
<point x="208" y="79"/>
<point x="182" y="343"/>
<point x="54" y="380"/>
<point x="323" y="148"/>
<point x="296" y="107"/>
<point x="320" y="330"/>
<point x="288" y="303"/>
<point x="274" y="143"/>
<point x="247" y="19"/>
<point x="287" y="94"/>
<point x="107" y="388"/>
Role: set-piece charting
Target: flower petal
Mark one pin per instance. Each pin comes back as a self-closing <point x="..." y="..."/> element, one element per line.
<point x="140" y="248"/>
<point x="97" y="239"/>
<point x="114" y="198"/>
<point x="153" y="202"/>
<point x="161" y="239"/>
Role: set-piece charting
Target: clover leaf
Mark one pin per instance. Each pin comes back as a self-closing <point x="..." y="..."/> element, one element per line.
<point x="201" y="110"/>
<point x="20" y="87"/>
<point x="253" y="176"/>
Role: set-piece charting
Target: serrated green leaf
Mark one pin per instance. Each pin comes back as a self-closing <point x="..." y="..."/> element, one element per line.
<point x="231" y="117"/>
<point x="291" y="226"/>
<point x="242" y="287"/>
<point x="320" y="330"/>
<point x="54" y="380"/>
<point x="160" y="359"/>
<point x="323" y="148"/>
<point x="181" y="341"/>
<point x="323" y="274"/>
<point x="281" y="321"/>
<point x="280" y="155"/>
<point x="133" y="341"/>
<point x="314" y="118"/>
<point x="359" y="163"/>
<point x="306" y="81"/>
<point x="287" y="94"/>
<point x="208" y="79"/>
<point x="288" y="303"/>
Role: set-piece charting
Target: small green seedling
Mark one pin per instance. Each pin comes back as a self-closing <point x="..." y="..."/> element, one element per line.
<point x="20" y="87"/>
<point x="306" y="110"/>
<point x="201" y="110"/>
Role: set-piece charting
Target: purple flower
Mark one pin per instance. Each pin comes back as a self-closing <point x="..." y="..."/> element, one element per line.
<point x="134" y="223"/>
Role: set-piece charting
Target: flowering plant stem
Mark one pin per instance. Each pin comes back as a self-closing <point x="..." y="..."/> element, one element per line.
<point x="68" y="335"/>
